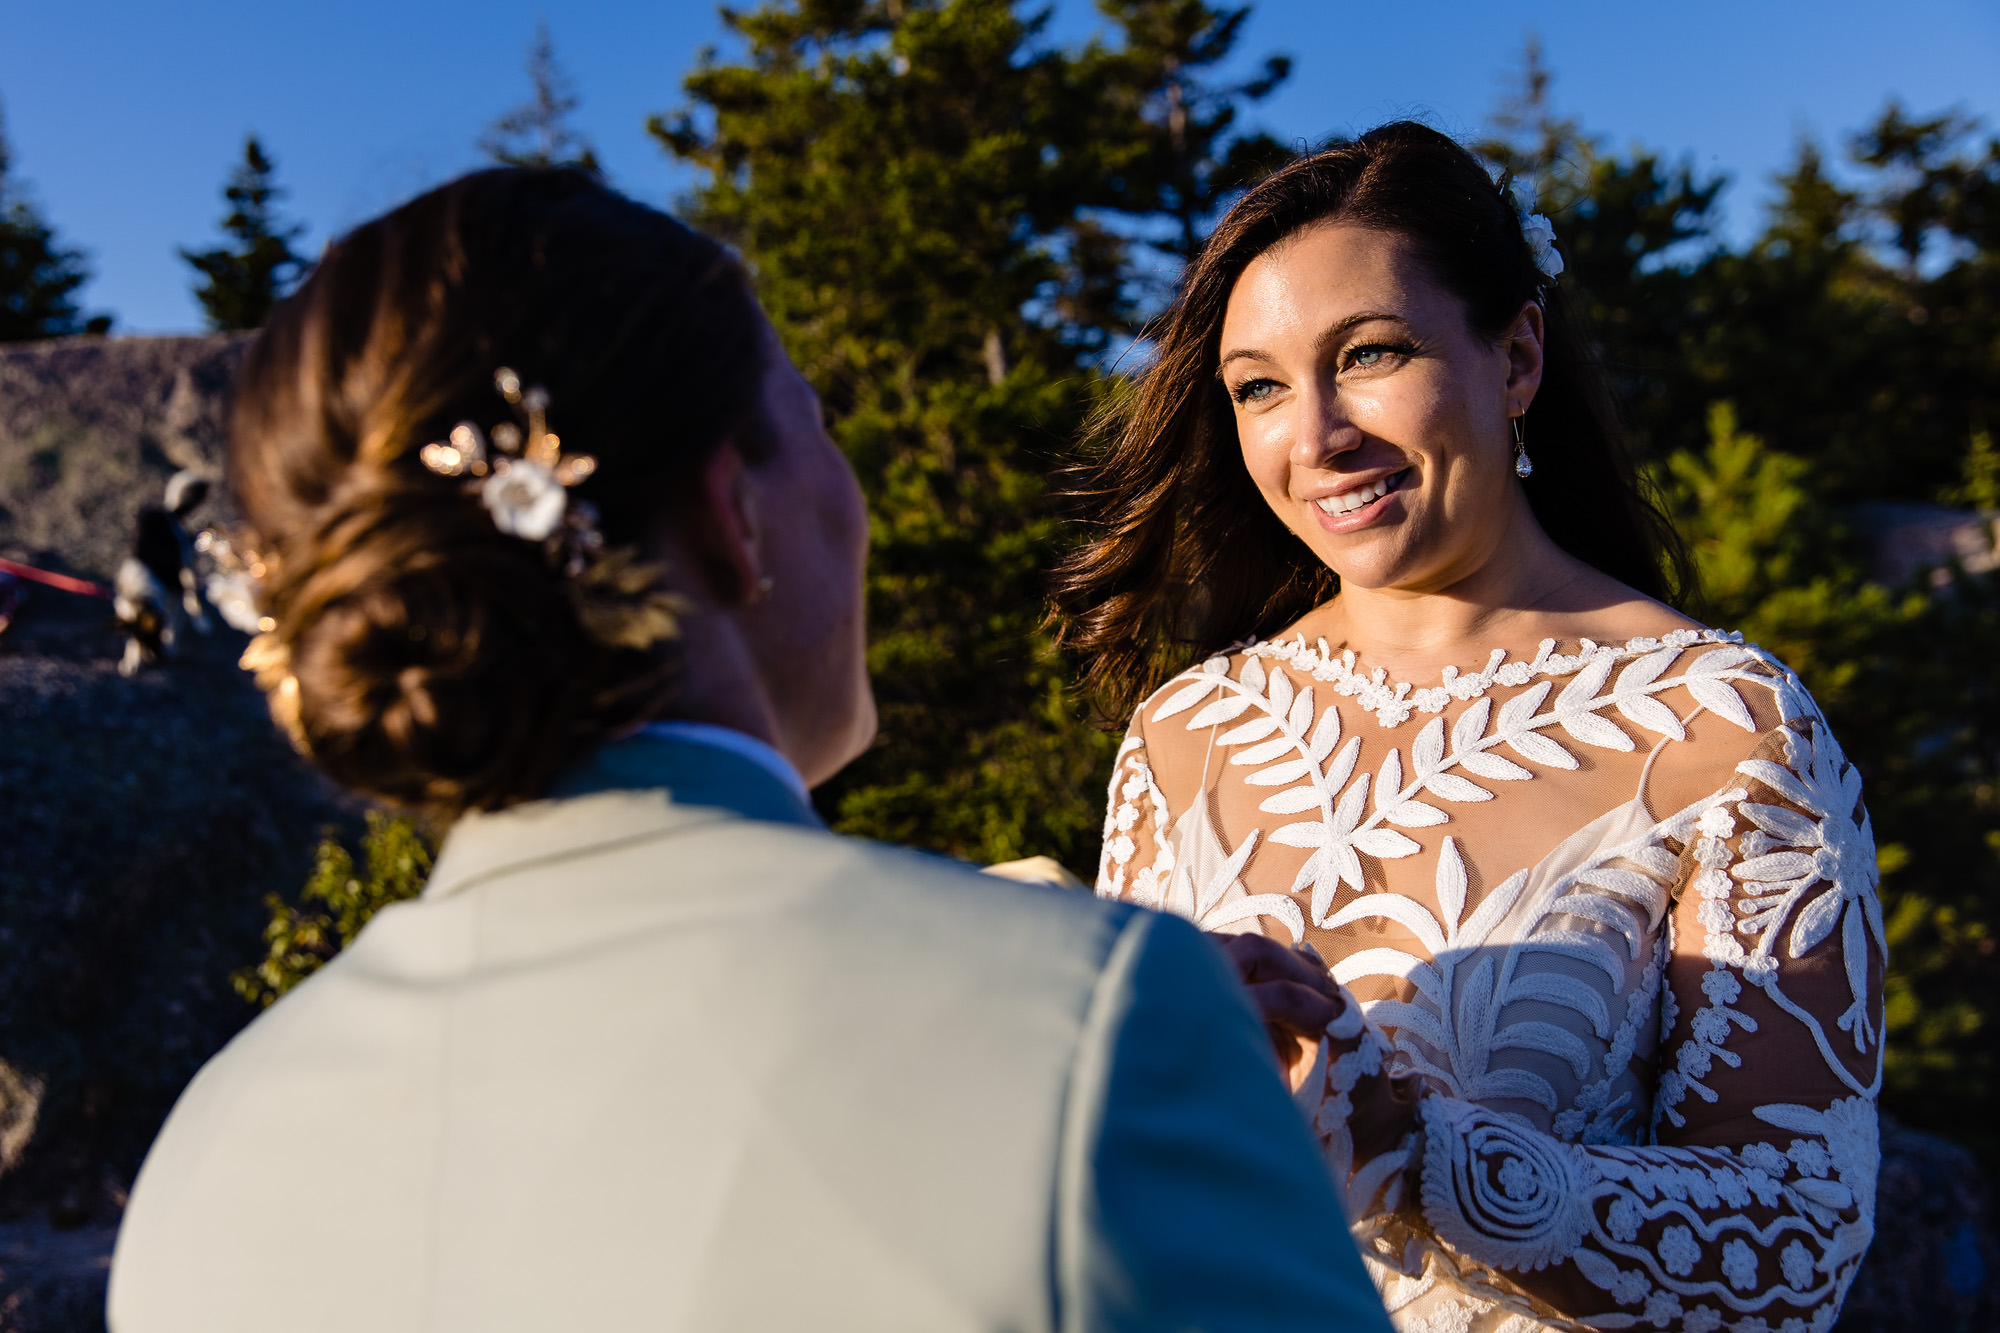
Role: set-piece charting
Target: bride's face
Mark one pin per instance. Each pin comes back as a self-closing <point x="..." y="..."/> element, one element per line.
<point x="1373" y="419"/>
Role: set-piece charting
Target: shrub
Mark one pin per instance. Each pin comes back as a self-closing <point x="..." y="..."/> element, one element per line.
<point x="337" y="901"/>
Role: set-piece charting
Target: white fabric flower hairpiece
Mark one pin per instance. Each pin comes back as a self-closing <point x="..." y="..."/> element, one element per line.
<point x="1540" y="234"/>
<point x="522" y="480"/>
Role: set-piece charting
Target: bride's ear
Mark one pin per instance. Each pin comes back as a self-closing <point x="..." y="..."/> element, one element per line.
<point x="728" y="526"/>
<point x="1526" y="357"/>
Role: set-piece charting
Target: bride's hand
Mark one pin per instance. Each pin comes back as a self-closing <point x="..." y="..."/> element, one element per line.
<point x="1292" y="994"/>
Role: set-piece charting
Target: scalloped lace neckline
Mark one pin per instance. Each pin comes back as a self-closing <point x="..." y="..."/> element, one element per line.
<point x="1392" y="701"/>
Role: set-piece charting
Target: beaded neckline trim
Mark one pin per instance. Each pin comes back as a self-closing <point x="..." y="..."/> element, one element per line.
<point x="1392" y="702"/>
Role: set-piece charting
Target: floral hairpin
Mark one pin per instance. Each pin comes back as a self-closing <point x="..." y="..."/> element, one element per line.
<point x="524" y="480"/>
<point x="1540" y="234"/>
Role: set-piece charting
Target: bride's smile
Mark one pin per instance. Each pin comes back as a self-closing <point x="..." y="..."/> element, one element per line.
<point x="1344" y="505"/>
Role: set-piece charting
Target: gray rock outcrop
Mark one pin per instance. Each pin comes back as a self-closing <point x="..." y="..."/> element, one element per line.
<point x="142" y="821"/>
<point x="90" y="430"/>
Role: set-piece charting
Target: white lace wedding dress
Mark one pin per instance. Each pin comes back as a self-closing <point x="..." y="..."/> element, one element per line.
<point x="1613" y="909"/>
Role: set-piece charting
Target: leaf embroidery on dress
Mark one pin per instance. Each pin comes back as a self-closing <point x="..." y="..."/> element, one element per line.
<point x="1315" y="778"/>
<point x="1834" y="854"/>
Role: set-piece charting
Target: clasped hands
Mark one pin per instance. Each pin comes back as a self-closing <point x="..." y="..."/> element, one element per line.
<point x="1301" y="1006"/>
<point x="1294" y="994"/>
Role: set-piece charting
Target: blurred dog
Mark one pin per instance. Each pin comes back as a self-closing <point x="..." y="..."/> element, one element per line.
<point x="157" y="594"/>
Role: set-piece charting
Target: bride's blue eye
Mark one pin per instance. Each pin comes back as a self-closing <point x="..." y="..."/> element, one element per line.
<point x="1253" y="391"/>
<point x="1370" y="355"/>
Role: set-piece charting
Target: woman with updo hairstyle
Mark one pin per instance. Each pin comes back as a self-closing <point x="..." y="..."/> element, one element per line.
<point x="419" y="653"/>
<point x="1370" y="573"/>
<point x="554" y="546"/>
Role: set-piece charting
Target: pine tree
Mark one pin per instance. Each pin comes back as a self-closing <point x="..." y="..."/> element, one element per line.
<point x="537" y="133"/>
<point x="240" y="286"/>
<point x="922" y="190"/>
<point x="1544" y="154"/>
<point x="1923" y="176"/>
<point x="1619" y="220"/>
<point x="1196" y="158"/>
<point x="38" y="277"/>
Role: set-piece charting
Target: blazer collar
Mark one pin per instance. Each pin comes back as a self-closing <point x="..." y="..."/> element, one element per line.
<point x="632" y="790"/>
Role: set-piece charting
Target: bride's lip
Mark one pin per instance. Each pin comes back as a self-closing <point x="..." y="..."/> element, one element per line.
<point x="1349" y="520"/>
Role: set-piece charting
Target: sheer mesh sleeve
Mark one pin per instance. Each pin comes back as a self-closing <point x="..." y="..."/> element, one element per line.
<point x="1744" y="1213"/>
<point x="1137" y="861"/>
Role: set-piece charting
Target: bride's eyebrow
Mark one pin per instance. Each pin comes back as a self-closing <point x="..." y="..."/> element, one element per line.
<point x="1327" y="337"/>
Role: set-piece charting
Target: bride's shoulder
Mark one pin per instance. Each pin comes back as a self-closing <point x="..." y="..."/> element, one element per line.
<point x="1599" y="607"/>
<point x="1715" y="672"/>
<point x="1735" y="702"/>
<point x="1197" y="683"/>
<point x="1209" y="699"/>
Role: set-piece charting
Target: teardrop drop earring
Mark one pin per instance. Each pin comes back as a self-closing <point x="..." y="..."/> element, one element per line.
<point x="1523" y="465"/>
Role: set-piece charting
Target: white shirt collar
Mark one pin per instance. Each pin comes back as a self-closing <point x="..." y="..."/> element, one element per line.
<point x="740" y="743"/>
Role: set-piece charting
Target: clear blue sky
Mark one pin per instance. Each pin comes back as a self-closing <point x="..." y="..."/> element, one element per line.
<point x="124" y="116"/>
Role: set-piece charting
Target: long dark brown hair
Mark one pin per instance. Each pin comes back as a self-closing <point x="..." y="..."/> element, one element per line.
<point x="441" y="663"/>
<point x="1185" y="557"/>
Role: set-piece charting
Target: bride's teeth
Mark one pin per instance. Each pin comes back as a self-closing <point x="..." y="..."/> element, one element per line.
<point x="1357" y="499"/>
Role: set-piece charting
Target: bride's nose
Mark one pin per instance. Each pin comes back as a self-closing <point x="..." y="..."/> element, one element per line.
<point x="1324" y="429"/>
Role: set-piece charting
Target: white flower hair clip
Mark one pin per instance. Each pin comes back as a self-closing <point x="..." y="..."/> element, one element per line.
<point x="523" y="479"/>
<point x="1540" y="234"/>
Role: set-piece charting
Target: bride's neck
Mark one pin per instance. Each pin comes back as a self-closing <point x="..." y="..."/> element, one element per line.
<point x="1527" y="590"/>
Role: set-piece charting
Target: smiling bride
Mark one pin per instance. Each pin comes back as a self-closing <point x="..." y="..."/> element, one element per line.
<point x="1591" y="881"/>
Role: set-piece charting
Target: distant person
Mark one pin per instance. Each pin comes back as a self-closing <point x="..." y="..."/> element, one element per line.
<point x="156" y="594"/>
<point x="556" y="545"/>
<point x="1599" y="875"/>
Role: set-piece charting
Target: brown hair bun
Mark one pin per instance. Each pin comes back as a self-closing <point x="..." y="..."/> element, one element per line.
<point x="439" y="662"/>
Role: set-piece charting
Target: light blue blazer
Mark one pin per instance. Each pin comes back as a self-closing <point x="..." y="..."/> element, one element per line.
<point x="662" y="1053"/>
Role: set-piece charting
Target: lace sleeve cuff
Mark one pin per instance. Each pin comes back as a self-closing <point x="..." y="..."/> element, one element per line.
<point x="1702" y="1239"/>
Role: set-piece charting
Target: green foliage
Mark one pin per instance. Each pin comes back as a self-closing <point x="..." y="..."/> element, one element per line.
<point x="1827" y="334"/>
<point x="1980" y="488"/>
<point x="38" y="277"/>
<point x="396" y="858"/>
<point x="1924" y="718"/>
<point x="1191" y="157"/>
<point x="240" y="286"/>
<point x="941" y="212"/>
<point x="1740" y="503"/>
<point x="537" y="133"/>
